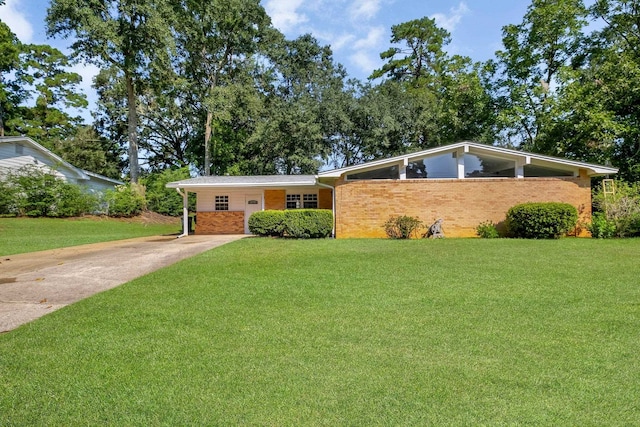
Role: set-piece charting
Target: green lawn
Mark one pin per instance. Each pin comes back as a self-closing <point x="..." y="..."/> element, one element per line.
<point x="19" y="235"/>
<point x="351" y="332"/>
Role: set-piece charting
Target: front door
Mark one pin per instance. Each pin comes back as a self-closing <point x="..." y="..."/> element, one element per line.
<point x="252" y="203"/>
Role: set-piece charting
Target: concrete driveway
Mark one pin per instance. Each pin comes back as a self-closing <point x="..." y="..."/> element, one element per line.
<point x="37" y="283"/>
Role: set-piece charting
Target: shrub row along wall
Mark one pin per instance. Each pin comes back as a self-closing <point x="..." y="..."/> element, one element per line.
<point x="362" y="207"/>
<point x="298" y="223"/>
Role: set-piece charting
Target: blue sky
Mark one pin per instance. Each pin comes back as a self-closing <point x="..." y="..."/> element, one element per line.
<point x="357" y="30"/>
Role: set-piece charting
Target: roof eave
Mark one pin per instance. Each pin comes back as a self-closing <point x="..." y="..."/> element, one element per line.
<point x="240" y="185"/>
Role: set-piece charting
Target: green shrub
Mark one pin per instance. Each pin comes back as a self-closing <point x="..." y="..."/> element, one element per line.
<point x="601" y="227"/>
<point x="621" y="208"/>
<point x="541" y="220"/>
<point x="163" y="200"/>
<point x="487" y="230"/>
<point x="308" y="223"/>
<point x="125" y="201"/>
<point x="402" y="227"/>
<point x="7" y="198"/>
<point x="36" y="192"/>
<point x="74" y="201"/>
<point x="267" y="223"/>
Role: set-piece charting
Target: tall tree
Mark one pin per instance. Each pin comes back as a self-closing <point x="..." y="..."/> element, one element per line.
<point x="437" y="98"/>
<point x="131" y="35"/>
<point x="614" y="70"/>
<point x="535" y="51"/>
<point x="216" y="41"/>
<point x="92" y="152"/>
<point x="290" y="133"/>
<point x="10" y="94"/>
<point x="422" y="57"/>
<point x="43" y="74"/>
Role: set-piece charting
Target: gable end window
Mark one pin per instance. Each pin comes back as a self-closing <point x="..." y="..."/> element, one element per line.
<point x="222" y="203"/>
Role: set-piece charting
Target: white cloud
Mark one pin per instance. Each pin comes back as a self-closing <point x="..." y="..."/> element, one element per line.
<point x="364" y="9"/>
<point x="374" y="38"/>
<point x="15" y="19"/>
<point x="366" y="51"/>
<point x="451" y="21"/>
<point x="336" y="41"/>
<point x="284" y="14"/>
<point x="367" y="62"/>
<point x="87" y="72"/>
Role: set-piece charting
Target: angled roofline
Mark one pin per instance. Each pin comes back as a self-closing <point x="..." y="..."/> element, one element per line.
<point x="80" y="172"/>
<point x="102" y="177"/>
<point x="469" y="146"/>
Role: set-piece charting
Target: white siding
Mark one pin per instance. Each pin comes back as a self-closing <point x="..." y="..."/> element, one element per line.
<point x="10" y="160"/>
<point x="206" y="199"/>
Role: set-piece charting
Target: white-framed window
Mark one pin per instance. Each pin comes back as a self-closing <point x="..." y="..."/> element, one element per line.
<point x="310" y="201"/>
<point x="299" y="201"/>
<point x="222" y="203"/>
<point x="293" y="201"/>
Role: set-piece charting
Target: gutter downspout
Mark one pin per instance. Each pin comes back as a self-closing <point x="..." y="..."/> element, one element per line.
<point x="333" y="204"/>
<point x="185" y="213"/>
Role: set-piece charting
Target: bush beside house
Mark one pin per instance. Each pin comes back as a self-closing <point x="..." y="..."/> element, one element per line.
<point x="298" y="223"/>
<point x="617" y="214"/>
<point x="402" y="227"/>
<point x="31" y="191"/>
<point x="541" y="220"/>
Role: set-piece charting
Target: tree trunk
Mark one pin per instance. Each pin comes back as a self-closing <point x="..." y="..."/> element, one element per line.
<point x="207" y="140"/>
<point x="1" y="122"/>
<point x="132" y="124"/>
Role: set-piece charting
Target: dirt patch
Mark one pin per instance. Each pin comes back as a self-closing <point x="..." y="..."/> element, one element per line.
<point x="7" y="280"/>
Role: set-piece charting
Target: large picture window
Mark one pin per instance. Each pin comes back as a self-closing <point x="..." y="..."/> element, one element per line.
<point x="306" y="201"/>
<point x="222" y="203"/>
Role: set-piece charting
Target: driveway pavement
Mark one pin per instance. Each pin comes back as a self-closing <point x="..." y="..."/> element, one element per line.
<point x="37" y="283"/>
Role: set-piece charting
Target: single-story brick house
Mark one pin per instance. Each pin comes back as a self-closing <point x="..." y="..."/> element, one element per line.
<point x="464" y="184"/>
<point x="17" y="152"/>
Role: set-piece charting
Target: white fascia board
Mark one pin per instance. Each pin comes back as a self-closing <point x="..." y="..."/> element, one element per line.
<point x="103" y="178"/>
<point x="201" y="186"/>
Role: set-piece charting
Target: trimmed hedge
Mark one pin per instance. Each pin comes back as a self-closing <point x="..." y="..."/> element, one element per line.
<point x="541" y="220"/>
<point x="297" y="223"/>
<point x="267" y="223"/>
<point x="308" y="223"/>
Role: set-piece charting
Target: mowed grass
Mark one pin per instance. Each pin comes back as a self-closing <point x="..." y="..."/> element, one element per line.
<point x="347" y="332"/>
<point x="20" y="235"/>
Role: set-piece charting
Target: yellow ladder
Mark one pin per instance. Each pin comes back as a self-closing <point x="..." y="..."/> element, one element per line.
<point x="608" y="187"/>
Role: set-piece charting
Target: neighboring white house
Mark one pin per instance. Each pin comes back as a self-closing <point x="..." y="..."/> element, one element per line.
<point x="17" y="152"/>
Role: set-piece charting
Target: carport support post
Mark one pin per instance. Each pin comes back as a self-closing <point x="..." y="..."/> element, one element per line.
<point x="185" y="212"/>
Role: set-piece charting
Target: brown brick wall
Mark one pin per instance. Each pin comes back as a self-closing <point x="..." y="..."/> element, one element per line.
<point x="274" y="199"/>
<point x="325" y="199"/>
<point x="220" y="222"/>
<point x="362" y="207"/>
